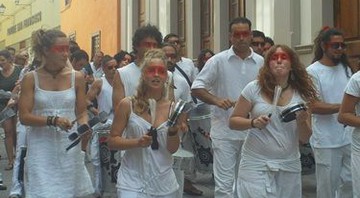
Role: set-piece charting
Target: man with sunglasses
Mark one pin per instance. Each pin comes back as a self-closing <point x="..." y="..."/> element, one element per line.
<point x="220" y="83"/>
<point x="258" y="42"/>
<point x="330" y="140"/>
<point x="101" y="90"/>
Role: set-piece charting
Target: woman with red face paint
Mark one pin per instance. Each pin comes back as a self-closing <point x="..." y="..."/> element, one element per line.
<point x="51" y="96"/>
<point x="146" y="171"/>
<point x="270" y="164"/>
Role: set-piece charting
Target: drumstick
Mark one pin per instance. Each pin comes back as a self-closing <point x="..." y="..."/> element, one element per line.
<point x="277" y="93"/>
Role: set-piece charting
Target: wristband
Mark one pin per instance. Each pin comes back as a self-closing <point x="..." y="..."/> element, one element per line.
<point x="252" y="123"/>
<point x="55" y="120"/>
<point x="49" y="120"/>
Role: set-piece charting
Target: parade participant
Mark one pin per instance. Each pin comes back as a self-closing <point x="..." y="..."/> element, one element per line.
<point x="270" y="162"/>
<point x="123" y="58"/>
<point x="101" y="90"/>
<point x="220" y="83"/>
<point x="330" y="140"/>
<point x="8" y="78"/>
<point x="348" y="115"/>
<point x="51" y="97"/>
<point x="126" y="79"/>
<point x="146" y="172"/>
<point x="203" y="56"/>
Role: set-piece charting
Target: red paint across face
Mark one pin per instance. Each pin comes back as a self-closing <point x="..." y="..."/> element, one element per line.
<point x="60" y="48"/>
<point x="280" y="55"/>
<point x="156" y="70"/>
<point x="239" y="34"/>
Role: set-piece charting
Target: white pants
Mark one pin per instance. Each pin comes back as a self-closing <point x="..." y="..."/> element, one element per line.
<point x="269" y="184"/>
<point x="355" y="170"/>
<point x="333" y="172"/>
<point x="16" y="187"/>
<point x="227" y="155"/>
<point x="121" y="193"/>
<point x="95" y="160"/>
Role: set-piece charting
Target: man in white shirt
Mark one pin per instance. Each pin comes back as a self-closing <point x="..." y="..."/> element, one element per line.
<point x="330" y="140"/>
<point x="220" y="83"/>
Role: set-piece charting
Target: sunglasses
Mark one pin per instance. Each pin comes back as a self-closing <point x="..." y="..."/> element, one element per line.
<point x="262" y="44"/>
<point x="239" y="34"/>
<point x="149" y="45"/>
<point x="154" y="70"/>
<point x="280" y="55"/>
<point x="60" y="48"/>
<point x="336" y="45"/>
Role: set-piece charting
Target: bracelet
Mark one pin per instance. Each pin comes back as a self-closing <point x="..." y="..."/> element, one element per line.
<point x="252" y="123"/>
<point x="49" y="120"/>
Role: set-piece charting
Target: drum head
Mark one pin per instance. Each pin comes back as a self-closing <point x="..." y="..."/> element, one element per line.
<point x="289" y="114"/>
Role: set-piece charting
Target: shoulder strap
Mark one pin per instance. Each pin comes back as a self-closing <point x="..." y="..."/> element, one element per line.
<point x="187" y="80"/>
<point x="36" y="79"/>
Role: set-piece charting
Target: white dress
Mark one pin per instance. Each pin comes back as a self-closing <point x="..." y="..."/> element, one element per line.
<point x="52" y="171"/>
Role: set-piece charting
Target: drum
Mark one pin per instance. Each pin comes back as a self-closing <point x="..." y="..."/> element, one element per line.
<point x="307" y="159"/>
<point x="289" y="114"/>
<point x="110" y="161"/>
<point x="200" y="125"/>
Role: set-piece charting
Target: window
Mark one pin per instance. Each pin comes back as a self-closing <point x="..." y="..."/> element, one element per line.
<point x="95" y="43"/>
<point x="236" y="9"/>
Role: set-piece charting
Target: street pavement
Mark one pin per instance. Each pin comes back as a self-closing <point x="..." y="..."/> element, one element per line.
<point x="203" y="182"/>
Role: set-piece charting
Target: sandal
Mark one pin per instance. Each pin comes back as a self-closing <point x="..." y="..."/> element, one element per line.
<point x="9" y="167"/>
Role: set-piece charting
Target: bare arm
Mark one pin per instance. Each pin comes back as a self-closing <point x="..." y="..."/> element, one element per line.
<point x="118" y="90"/>
<point x="319" y="107"/>
<point x="205" y="96"/>
<point x="93" y="92"/>
<point x="347" y="114"/>
<point x="303" y="122"/>
<point x="239" y="119"/>
<point x="121" y="117"/>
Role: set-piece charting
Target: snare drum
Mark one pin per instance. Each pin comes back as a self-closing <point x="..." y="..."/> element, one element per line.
<point x="289" y="114"/>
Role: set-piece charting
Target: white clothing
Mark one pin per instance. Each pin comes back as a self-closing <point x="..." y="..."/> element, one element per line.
<point x="132" y="194"/>
<point x="225" y="75"/>
<point x="333" y="172"/>
<point x="97" y="73"/>
<point x="330" y="83"/>
<point x="143" y="169"/>
<point x="273" y="150"/>
<point x="353" y="89"/>
<point x="130" y="76"/>
<point x="182" y="90"/>
<point x="187" y="65"/>
<point x="52" y="171"/>
<point x="104" y="98"/>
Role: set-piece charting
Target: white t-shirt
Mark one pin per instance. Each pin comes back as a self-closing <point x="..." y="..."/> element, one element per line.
<point x="225" y="75"/>
<point x="97" y="73"/>
<point x="130" y="76"/>
<point x="187" y="65"/>
<point x="353" y="88"/>
<point x="105" y="98"/>
<point x="182" y="90"/>
<point x="330" y="83"/>
<point x="275" y="146"/>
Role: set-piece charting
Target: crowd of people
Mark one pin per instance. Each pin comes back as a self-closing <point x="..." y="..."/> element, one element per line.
<point x="249" y="109"/>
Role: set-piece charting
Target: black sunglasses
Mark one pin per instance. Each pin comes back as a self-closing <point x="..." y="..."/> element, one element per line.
<point x="337" y="45"/>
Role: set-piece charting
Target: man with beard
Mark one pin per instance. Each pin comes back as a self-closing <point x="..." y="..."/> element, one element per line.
<point x="330" y="140"/>
<point x="220" y="83"/>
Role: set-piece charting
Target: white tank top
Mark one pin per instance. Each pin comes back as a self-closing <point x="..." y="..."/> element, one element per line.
<point x="105" y="98"/>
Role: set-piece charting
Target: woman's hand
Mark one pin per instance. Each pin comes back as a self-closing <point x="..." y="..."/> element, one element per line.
<point x="63" y="123"/>
<point x="144" y="141"/>
<point x="261" y="121"/>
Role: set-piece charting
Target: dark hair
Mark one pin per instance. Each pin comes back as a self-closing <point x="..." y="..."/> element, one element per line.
<point x="166" y="38"/>
<point x="299" y="79"/>
<point x="78" y="55"/>
<point x="269" y="40"/>
<point x="74" y="46"/>
<point x="170" y="45"/>
<point x="200" y="59"/>
<point x="323" y="37"/>
<point x="240" y="20"/>
<point x="120" y="56"/>
<point x="145" y="32"/>
<point x="6" y="54"/>
<point x="44" y="39"/>
<point x="257" y="33"/>
<point x="105" y="60"/>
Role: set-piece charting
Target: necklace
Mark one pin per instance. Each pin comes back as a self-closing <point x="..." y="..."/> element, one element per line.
<point x="53" y="73"/>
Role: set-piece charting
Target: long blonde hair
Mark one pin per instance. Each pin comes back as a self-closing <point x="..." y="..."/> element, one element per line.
<point x="140" y="101"/>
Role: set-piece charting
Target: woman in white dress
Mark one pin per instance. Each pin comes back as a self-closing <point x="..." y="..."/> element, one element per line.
<point x="51" y="97"/>
<point x="144" y="171"/>
<point x="270" y="164"/>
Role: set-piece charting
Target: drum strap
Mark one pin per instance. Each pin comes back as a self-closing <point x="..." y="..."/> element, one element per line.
<point x="187" y="80"/>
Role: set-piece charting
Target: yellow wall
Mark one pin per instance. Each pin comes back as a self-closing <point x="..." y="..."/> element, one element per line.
<point x="86" y="17"/>
<point x="50" y="18"/>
